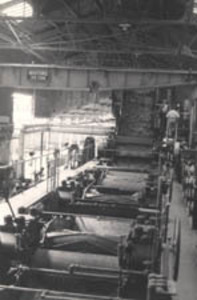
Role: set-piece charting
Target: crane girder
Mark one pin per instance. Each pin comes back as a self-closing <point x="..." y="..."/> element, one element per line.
<point x="55" y="77"/>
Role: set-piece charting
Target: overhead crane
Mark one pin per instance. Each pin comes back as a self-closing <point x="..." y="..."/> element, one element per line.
<point x="55" y="77"/>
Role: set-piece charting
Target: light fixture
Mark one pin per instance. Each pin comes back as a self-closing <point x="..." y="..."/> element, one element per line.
<point x="124" y="26"/>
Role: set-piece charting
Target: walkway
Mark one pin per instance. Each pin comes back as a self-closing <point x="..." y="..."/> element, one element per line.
<point x="35" y="193"/>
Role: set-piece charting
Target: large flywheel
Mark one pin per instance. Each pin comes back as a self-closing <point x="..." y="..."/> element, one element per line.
<point x="176" y="247"/>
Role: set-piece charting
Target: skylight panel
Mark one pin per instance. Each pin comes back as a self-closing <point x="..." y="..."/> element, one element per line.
<point x="4" y="1"/>
<point x="195" y="7"/>
<point x="18" y="10"/>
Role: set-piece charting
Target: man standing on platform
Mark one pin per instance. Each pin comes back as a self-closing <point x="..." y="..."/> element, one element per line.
<point x="173" y="117"/>
<point x="163" y="113"/>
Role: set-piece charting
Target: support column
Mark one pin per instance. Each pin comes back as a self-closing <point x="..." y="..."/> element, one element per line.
<point x="169" y="96"/>
<point x="22" y="152"/>
<point x="41" y="148"/>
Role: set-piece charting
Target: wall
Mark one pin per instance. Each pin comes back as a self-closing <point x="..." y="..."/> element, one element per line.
<point x="6" y="105"/>
<point x="6" y="109"/>
<point x="48" y="103"/>
<point x="184" y="92"/>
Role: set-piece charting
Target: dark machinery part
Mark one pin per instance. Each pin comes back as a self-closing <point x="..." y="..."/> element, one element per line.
<point x="74" y="156"/>
<point x="61" y="260"/>
<point x="88" y="150"/>
<point x="176" y="245"/>
<point x="194" y="213"/>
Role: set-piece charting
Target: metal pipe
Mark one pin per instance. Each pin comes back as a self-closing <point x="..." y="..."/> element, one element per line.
<point x="41" y="148"/>
<point x="10" y="207"/>
<point x="57" y="295"/>
<point x="87" y="270"/>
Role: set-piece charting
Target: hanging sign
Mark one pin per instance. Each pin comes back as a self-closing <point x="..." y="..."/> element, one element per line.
<point x="38" y="75"/>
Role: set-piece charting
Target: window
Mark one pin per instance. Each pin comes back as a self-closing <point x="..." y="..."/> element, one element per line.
<point x="19" y="9"/>
<point x="195" y="7"/>
<point x="23" y="110"/>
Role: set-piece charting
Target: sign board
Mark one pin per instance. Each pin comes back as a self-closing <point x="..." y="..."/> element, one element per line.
<point x="38" y="75"/>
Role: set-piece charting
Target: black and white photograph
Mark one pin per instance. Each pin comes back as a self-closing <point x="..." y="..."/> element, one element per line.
<point x="98" y="149"/>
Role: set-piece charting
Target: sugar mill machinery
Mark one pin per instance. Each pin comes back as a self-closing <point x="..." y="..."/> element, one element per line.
<point x="102" y="234"/>
<point x="188" y="181"/>
<point x="88" y="256"/>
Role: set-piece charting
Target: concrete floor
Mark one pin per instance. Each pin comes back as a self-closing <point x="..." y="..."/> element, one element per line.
<point x="187" y="282"/>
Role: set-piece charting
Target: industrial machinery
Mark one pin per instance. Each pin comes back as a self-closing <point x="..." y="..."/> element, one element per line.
<point x="7" y="177"/>
<point x="108" y="242"/>
<point x="132" y="178"/>
<point x="188" y="180"/>
<point x="87" y="256"/>
<point x="103" y="234"/>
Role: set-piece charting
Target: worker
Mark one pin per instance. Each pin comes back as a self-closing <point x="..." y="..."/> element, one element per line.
<point x="185" y="184"/>
<point x="137" y="233"/>
<point x="191" y="167"/>
<point x="168" y="149"/>
<point x="33" y="230"/>
<point x="20" y="224"/>
<point x="78" y="190"/>
<point x="69" y="222"/>
<point x="173" y="117"/>
<point x="186" y="117"/>
<point x="20" y="233"/>
<point x="178" y="108"/>
<point x="163" y="113"/>
<point x="164" y="185"/>
<point x="97" y="175"/>
<point x="9" y="225"/>
<point x="129" y="251"/>
<point x="191" y="191"/>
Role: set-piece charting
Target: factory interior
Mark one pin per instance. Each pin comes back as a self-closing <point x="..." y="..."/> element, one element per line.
<point x="98" y="149"/>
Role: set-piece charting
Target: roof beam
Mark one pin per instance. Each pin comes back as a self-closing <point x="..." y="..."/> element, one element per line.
<point x="53" y="77"/>
<point x="101" y="21"/>
<point x="60" y="48"/>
